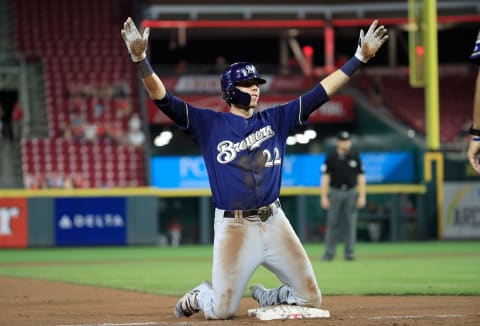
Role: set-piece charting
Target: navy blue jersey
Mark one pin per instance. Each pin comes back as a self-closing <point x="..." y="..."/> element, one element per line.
<point x="475" y="56"/>
<point x="244" y="157"/>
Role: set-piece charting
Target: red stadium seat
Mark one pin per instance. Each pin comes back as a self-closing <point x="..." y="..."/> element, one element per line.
<point x="50" y="29"/>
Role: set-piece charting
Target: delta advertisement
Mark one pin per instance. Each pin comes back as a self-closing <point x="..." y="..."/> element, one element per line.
<point x="461" y="210"/>
<point x="298" y="170"/>
<point x="13" y="223"/>
<point x="90" y="221"/>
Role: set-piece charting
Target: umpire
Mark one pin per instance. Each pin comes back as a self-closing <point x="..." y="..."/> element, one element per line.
<point x="342" y="193"/>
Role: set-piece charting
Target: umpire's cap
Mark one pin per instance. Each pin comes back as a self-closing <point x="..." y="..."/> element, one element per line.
<point x="344" y="135"/>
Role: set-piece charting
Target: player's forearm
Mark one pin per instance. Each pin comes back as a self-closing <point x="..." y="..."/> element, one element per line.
<point x="334" y="82"/>
<point x="153" y="84"/>
<point x="476" y="105"/>
<point x="362" y="185"/>
<point x="339" y="78"/>
<point x="325" y="183"/>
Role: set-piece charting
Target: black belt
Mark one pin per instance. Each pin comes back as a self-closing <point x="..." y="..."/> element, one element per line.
<point x="263" y="212"/>
<point x="343" y="187"/>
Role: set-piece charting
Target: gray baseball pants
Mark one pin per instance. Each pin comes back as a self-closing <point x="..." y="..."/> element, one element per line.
<point x="342" y="216"/>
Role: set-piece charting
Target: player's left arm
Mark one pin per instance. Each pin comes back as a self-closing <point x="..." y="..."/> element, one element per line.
<point x="137" y="43"/>
<point x="368" y="45"/>
<point x="361" y="182"/>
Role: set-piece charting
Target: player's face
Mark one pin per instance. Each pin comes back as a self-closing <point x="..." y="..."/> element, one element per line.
<point x="250" y="87"/>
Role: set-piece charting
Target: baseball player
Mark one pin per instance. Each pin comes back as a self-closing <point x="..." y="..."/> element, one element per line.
<point x="243" y="151"/>
<point x="473" y="152"/>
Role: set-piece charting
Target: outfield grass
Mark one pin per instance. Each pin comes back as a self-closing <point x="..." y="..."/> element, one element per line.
<point x="421" y="268"/>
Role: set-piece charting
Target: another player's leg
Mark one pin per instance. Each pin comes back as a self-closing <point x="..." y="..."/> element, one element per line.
<point x="333" y="225"/>
<point x="350" y="224"/>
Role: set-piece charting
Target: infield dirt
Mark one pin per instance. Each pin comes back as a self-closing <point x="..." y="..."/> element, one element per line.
<point x="28" y="302"/>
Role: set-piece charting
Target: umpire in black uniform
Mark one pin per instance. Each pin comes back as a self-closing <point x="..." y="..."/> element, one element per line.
<point x="342" y="194"/>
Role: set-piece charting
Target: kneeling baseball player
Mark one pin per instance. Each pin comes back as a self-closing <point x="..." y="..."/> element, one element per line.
<point x="243" y="151"/>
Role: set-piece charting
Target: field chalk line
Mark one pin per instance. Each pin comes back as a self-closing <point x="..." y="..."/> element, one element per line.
<point x="148" y="323"/>
<point x="416" y="317"/>
<point x="183" y="323"/>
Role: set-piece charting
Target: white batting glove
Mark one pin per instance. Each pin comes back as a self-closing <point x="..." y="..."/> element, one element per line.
<point x="136" y="43"/>
<point x="368" y="44"/>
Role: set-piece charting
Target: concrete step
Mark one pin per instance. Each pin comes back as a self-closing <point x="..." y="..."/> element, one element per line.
<point x="10" y="165"/>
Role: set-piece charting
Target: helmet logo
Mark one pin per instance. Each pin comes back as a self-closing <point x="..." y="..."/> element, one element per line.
<point x="250" y="69"/>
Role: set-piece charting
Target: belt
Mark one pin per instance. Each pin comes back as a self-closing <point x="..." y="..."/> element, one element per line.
<point x="343" y="187"/>
<point x="263" y="212"/>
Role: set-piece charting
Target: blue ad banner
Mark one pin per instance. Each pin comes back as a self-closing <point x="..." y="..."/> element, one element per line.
<point x="90" y="221"/>
<point x="298" y="170"/>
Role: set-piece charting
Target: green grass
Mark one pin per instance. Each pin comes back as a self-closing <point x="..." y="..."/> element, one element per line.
<point x="421" y="268"/>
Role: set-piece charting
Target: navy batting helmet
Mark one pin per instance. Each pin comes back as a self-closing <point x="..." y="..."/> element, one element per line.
<point x="234" y="74"/>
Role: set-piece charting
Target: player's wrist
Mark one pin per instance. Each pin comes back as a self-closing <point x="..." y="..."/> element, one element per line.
<point x="138" y="58"/>
<point x="145" y="68"/>
<point x="351" y="66"/>
<point x="475" y="138"/>
<point x="359" y="55"/>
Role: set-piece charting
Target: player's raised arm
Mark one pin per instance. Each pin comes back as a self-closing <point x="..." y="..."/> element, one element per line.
<point x="137" y="44"/>
<point x="368" y="45"/>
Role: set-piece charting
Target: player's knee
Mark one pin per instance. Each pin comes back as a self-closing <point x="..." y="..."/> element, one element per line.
<point x="219" y="314"/>
<point x="315" y="300"/>
<point x="224" y="314"/>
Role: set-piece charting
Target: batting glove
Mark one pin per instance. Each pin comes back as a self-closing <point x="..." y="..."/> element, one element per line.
<point x="136" y="43"/>
<point x="368" y="44"/>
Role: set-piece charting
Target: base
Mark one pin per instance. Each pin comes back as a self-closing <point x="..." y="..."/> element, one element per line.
<point x="287" y="312"/>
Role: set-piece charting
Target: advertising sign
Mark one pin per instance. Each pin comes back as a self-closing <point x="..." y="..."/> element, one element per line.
<point x="90" y="221"/>
<point x="461" y="210"/>
<point x="298" y="170"/>
<point x="13" y="223"/>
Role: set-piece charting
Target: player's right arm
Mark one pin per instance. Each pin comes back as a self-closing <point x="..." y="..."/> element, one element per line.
<point x="325" y="184"/>
<point x="324" y="189"/>
<point x="137" y="43"/>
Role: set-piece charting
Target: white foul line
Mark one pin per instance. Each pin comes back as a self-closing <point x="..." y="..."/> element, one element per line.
<point x="148" y="323"/>
<point x="121" y="324"/>
<point x="416" y="317"/>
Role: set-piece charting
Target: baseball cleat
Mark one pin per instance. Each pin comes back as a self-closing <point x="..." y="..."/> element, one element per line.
<point x="326" y="258"/>
<point x="188" y="304"/>
<point x="257" y="291"/>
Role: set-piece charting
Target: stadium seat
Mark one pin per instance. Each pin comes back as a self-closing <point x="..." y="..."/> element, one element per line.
<point x="63" y="34"/>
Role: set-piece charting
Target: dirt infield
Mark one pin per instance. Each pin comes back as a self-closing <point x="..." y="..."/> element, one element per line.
<point x="27" y="302"/>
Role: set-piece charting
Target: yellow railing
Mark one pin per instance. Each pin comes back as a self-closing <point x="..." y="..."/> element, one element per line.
<point x="165" y="192"/>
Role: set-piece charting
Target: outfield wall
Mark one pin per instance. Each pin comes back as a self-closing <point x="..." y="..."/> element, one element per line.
<point x="131" y="216"/>
<point x="78" y="220"/>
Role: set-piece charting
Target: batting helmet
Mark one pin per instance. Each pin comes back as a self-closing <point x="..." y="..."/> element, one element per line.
<point x="234" y="74"/>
